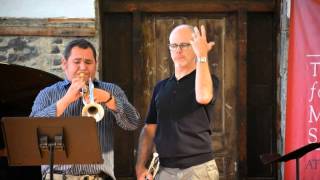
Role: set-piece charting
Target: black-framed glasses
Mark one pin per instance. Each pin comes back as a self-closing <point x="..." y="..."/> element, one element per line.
<point x="182" y="46"/>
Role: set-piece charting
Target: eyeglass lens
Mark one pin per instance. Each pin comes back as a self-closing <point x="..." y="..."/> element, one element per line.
<point x="181" y="46"/>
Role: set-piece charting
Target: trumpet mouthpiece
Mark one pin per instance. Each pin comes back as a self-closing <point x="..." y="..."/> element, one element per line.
<point x="81" y="75"/>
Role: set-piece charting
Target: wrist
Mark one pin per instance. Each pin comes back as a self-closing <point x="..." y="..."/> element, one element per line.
<point x="203" y="59"/>
<point x="110" y="98"/>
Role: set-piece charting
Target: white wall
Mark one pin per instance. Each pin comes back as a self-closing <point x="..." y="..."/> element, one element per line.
<point x="47" y="8"/>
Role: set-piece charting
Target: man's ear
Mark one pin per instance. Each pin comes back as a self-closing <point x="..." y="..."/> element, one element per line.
<point x="63" y="63"/>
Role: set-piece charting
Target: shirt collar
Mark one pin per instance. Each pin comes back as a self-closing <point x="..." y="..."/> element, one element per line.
<point x="191" y="74"/>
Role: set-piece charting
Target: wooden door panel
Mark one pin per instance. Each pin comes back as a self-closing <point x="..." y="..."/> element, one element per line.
<point x="261" y="101"/>
<point x="117" y="68"/>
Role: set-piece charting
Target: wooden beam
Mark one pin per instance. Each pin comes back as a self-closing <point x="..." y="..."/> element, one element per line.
<point x="46" y="31"/>
<point x="176" y="7"/>
<point x="71" y="20"/>
<point x="47" y="27"/>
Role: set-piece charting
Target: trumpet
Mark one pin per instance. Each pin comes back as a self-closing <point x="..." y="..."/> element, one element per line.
<point x="154" y="165"/>
<point x="91" y="109"/>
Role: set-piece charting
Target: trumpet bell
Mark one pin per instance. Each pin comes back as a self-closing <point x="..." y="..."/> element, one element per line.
<point x="94" y="110"/>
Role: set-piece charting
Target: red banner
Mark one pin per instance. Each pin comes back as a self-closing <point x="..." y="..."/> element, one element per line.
<point x="303" y="99"/>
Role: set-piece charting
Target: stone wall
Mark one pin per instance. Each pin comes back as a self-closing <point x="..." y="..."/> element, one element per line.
<point x="37" y="52"/>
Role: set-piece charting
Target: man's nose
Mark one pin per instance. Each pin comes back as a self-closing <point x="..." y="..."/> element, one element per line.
<point x="83" y="66"/>
<point x="179" y="49"/>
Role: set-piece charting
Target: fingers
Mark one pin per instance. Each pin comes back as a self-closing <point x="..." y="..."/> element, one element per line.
<point x="203" y="33"/>
<point x="199" y="41"/>
<point x="81" y="79"/>
<point x="101" y="95"/>
<point x="198" y="34"/>
<point x="193" y="36"/>
<point x="210" y="45"/>
<point x="78" y="83"/>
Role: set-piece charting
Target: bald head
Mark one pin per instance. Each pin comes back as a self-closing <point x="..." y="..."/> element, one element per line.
<point x="183" y="28"/>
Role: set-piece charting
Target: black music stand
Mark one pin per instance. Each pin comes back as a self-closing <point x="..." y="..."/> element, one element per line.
<point x="296" y="154"/>
<point x="40" y="141"/>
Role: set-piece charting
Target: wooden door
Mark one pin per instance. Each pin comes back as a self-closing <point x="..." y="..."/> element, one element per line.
<point x="135" y="56"/>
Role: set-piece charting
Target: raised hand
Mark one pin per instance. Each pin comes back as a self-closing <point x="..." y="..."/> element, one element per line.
<point x="199" y="42"/>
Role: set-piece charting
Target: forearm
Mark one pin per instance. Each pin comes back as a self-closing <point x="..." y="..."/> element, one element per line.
<point x="61" y="106"/>
<point x="203" y="85"/>
<point x="45" y="104"/>
<point x="41" y="110"/>
<point x="127" y="117"/>
<point x="145" y="145"/>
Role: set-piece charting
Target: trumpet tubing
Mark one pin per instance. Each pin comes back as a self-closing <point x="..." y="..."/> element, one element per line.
<point x="154" y="165"/>
<point x="91" y="109"/>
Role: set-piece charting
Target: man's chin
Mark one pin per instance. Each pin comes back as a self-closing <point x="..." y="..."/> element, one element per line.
<point x="179" y="65"/>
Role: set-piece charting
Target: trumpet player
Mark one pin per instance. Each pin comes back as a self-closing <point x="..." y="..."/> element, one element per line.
<point x="67" y="97"/>
<point x="179" y="116"/>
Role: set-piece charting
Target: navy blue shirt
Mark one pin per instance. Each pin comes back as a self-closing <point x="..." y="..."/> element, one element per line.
<point x="183" y="136"/>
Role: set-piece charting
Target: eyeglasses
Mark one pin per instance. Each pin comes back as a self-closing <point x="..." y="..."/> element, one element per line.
<point x="182" y="46"/>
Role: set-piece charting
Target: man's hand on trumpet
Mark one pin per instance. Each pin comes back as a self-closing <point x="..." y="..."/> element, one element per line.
<point x="74" y="91"/>
<point x="77" y="83"/>
<point x="104" y="97"/>
<point x="100" y="96"/>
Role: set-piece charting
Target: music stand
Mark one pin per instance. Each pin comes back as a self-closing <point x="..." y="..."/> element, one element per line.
<point x="296" y="154"/>
<point x="40" y="141"/>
